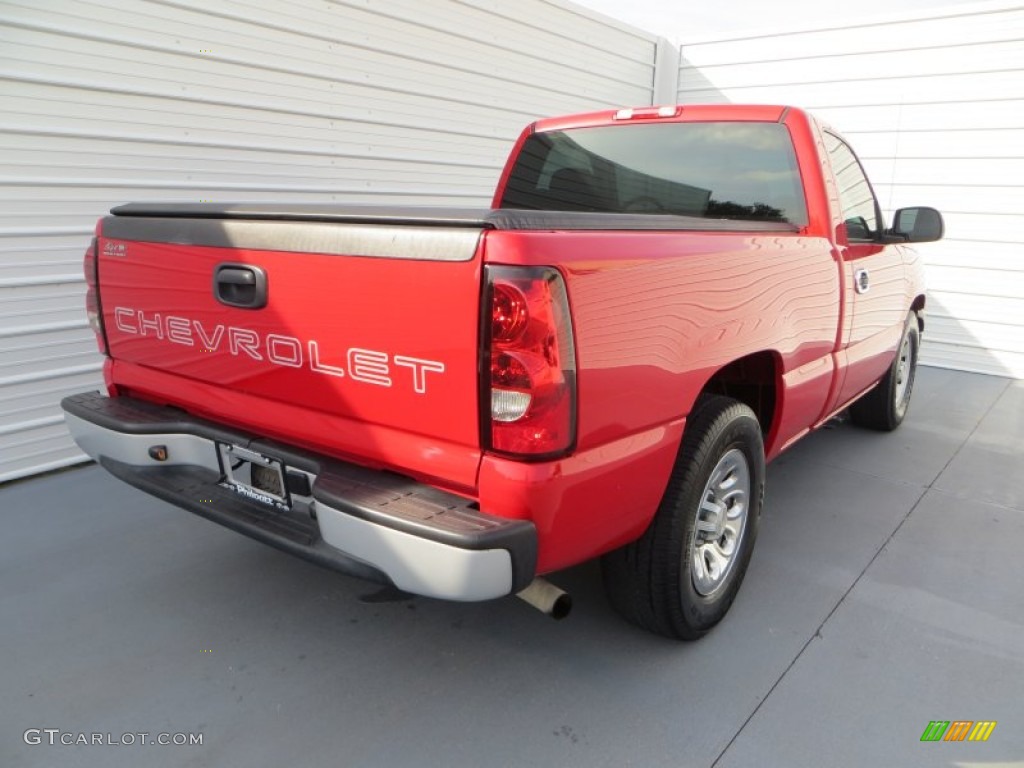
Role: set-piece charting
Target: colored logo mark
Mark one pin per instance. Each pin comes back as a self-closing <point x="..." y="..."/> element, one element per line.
<point x="958" y="730"/>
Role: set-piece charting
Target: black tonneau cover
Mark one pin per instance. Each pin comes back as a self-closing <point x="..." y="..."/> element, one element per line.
<point x="430" y="216"/>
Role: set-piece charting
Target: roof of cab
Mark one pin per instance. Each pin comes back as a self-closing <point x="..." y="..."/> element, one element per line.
<point x="760" y="113"/>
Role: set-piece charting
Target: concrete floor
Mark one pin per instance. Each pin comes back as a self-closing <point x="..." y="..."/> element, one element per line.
<point x="886" y="590"/>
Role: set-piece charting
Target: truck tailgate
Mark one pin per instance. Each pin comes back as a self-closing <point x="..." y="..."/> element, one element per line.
<point x="370" y="325"/>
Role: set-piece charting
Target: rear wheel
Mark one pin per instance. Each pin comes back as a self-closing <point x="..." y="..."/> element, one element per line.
<point x="885" y="407"/>
<point x="680" y="578"/>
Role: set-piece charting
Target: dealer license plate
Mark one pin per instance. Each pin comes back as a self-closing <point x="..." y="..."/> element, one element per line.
<point x="254" y="476"/>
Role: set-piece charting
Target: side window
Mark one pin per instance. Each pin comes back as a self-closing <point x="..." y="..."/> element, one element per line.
<point x="860" y="211"/>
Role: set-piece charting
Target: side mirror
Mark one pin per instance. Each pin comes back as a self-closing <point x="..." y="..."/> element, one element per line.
<point x="918" y="225"/>
<point x="857" y="229"/>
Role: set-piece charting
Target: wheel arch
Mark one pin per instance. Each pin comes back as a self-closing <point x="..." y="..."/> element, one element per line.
<point x="755" y="380"/>
<point x="917" y="307"/>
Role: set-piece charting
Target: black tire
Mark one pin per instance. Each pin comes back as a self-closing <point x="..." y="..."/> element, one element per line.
<point x="652" y="582"/>
<point x="885" y="406"/>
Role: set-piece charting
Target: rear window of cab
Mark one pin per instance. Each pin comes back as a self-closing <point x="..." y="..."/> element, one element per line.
<point x="715" y="170"/>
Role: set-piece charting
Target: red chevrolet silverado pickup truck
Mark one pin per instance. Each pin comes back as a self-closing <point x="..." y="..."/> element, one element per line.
<point x="458" y="402"/>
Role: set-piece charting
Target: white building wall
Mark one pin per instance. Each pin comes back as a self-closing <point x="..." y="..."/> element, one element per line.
<point x="106" y="101"/>
<point x="934" y="105"/>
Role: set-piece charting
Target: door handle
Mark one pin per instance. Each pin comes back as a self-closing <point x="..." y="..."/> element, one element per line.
<point x="240" y="285"/>
<point x="861" y="281"/>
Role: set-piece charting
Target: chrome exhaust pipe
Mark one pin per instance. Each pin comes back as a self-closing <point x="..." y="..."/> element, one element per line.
<point x="547" y="598"/>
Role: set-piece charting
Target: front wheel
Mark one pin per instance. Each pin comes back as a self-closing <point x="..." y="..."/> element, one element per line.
<point x="885" y="406"/>
<point x="680" y="578"/>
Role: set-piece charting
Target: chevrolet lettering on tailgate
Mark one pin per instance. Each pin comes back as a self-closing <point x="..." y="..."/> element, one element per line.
<point x="369" y="366"/>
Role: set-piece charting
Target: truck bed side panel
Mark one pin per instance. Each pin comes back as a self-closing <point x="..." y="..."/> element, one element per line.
<point x="656" y="315"/>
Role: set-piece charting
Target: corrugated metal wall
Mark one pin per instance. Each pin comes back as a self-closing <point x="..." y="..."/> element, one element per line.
<point x="105" y="101"/>
<point x="934" y="105"/>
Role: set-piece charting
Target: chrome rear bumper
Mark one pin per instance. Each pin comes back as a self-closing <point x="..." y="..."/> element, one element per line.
<point x="372" y="524"/>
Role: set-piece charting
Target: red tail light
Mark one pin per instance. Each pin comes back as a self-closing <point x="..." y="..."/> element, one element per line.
<point x="90" y="265"/>
<point x="529" y="376"/>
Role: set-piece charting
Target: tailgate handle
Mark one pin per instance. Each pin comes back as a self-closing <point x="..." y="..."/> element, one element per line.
<point x="240" y="285"/>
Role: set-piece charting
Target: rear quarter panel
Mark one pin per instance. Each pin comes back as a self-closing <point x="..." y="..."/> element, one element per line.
<point x="656" y="314"/>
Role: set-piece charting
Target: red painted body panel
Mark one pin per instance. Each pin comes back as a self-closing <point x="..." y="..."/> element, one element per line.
<point x="655" y="316"/>
<point x="588" y="503"/>
<point x="762" y="113"/>
<point x="653" y="327"/>
<point x="307" y="388"/>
